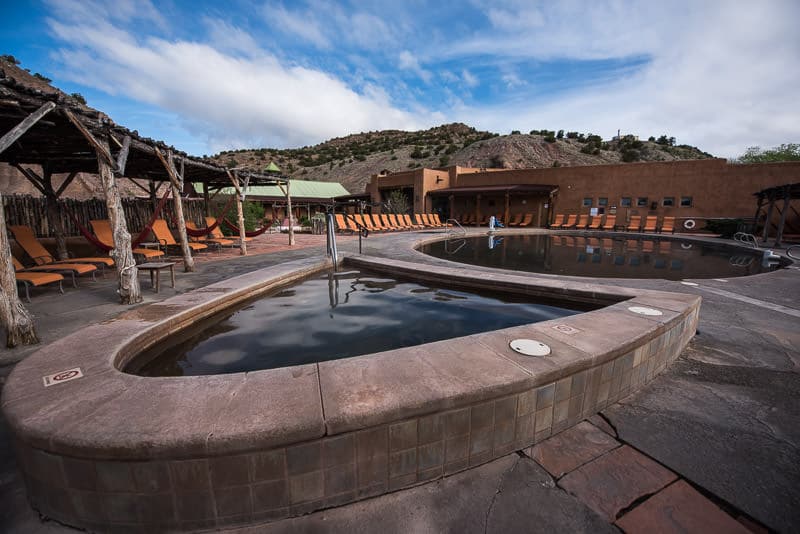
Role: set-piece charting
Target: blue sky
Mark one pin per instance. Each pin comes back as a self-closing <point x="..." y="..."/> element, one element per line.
<point x="208" y="76"/>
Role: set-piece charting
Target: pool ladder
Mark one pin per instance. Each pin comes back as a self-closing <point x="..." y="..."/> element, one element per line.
<point x="746" y="239"/>
<point x="451" y="229"/>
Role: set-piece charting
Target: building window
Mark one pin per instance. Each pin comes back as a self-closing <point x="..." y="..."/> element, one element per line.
<point x="668" y="202"/>
<point x="625" y="202"/>
<point x="641" y="202"/>
<point x="686" y="202"/>
<point x="587" y="202"/>
<point x="602" y="201"/>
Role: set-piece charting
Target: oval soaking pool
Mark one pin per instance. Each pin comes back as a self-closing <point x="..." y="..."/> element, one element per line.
<point x="339" y="315"/>
<point x="601" y="256"/>
<point x="109" y="451"/>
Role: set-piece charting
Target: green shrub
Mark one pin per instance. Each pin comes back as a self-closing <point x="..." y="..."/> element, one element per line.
<point x="550" y="139"/>
<point x="630" y="154"/>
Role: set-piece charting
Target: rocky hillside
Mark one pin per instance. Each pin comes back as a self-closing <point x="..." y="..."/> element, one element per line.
<point x="353" y="159"/>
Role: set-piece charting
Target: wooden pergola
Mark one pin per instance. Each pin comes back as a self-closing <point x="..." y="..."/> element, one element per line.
<point x="63" y="137"/>
<point x="767" y="199"/>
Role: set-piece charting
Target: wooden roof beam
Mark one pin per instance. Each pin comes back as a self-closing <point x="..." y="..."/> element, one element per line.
<point x="19" y="130"/>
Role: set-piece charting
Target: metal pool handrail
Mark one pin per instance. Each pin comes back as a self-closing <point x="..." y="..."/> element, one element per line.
<point x="746" y="239"/>
<point x="447" y="229"/>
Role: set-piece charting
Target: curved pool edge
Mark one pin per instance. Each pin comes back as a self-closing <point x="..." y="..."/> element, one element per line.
<point x="425" y="238"/>
<point x="113" y="451"/>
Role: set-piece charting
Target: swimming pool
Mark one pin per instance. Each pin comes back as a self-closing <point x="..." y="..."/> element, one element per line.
<point x="601" y="256"/>
<point x="339" y="315"/>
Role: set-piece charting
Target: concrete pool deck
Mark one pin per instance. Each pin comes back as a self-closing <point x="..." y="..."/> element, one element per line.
<point x="735" y="384"/>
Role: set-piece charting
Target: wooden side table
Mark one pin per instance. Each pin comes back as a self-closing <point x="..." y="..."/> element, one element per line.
<point x="155" y="269"/>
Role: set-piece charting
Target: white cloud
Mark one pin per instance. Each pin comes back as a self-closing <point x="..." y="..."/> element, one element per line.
<point x="721" y="79"/>
<point x="300" y="23"/>
<point x="470" y="80"/>
<point x="233" y="101"/>
<point x="408" y="61"/>
<point x="512" y="80"/>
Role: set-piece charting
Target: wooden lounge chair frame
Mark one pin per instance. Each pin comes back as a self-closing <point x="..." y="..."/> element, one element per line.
<point x="26" y="239"/>
<point x="597" y="221"/>
<point x="572" y="220"/>
<point x="583" y="222"/>
<point x="650" y="223"/>
<point x="515" y="220"/>
<point x="668" y="225"/>
<point x="31" y="279"/>
<point x="635" y="224"/>
<point x="216" y="233"/>
<point x="165" y="238"/>
<point x="610" y="222"/>
<point x="558" y="222"/>
<point x="213" y="241"/>
<point x="73" y="269"/>
<point x="102" y="230"/>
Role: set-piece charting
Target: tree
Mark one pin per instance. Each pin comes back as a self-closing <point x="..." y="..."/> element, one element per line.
<point x="397" y="202"/>
<point x="785" y="152"/>
<point x="560" y="134"/>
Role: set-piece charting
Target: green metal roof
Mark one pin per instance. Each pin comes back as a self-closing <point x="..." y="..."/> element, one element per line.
<point x="272" y="167"/>
<point x="297" y="188"/>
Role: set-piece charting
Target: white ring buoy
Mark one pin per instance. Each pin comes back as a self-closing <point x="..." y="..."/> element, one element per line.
<point x="689" y="224"/>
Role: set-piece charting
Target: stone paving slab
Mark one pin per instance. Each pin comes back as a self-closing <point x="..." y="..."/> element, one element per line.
<point x="614" y="481"/>
<point x="676" y="509"/>
<point x="572" y="448"/>
<point x="506" y="496"/>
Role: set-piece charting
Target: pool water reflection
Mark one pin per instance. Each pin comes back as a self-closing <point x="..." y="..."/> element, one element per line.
<point x="603" y="257"/>
<point x="336" y="316"/>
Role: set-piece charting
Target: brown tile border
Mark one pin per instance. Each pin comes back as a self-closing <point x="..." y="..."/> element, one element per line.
<point x="103" y="451"/>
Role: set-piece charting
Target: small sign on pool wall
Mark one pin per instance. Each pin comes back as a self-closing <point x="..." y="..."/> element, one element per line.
<point x="62" y="376"/>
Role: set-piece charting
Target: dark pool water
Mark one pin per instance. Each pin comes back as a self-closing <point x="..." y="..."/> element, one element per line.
<point x="574" y="255"/>
<point x="338" y="316"/>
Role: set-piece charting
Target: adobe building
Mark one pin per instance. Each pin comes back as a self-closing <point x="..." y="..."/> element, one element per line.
<point x="694" y="190"/>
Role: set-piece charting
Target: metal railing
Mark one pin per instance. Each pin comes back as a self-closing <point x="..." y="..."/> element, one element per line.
<point x="746" y="239"/>
<point x="451" y="229"/>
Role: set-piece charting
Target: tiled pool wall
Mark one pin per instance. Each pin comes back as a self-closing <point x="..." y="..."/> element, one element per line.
<point x="217" y="490"/>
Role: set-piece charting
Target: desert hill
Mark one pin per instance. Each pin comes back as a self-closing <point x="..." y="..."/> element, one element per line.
<point x="352" y="159"/>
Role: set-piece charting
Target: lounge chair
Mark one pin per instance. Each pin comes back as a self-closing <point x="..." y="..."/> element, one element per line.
<point x="583" y="222"/>
<point x="419" y="220"/>
<point x="103" y="233"/>
<point x="635" y="223"/>
<point x="388" y="223"/>
<point x="571" y="221"/>
<point x="527" y="220"/>
<point x="366" y="221"/>
<point x="166" y="239"/>
<point x="668" y="225"/>
<point x="650" y="223"/>
<point x="218" y="242"/>
<point x="596" y="221"/>
<point x="394" y="222"/>
<point x="377" y="222"/>
<point x="611" y="220"/>
<point x="434" y="217"/>
<point x="216" y="233"/>
<point x="62" y="268"/>
<point x="29" y="279"/>
<point x="515" y="220"/>
<point x="558" y="222"/>
<point x="427" y="220"/>
<point x="412" y="224"/>
<point x="341" y="226"/>
<point x="25" y="238"/>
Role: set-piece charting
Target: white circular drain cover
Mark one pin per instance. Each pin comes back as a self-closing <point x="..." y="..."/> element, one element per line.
<point x="641" y="310"/>
<point x="529" y="347"/>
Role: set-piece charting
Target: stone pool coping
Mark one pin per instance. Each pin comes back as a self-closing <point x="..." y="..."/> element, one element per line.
<point x="84" y="441"/>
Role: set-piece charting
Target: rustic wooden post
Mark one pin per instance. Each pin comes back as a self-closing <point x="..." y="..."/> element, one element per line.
<point x="768" y="222"/>
<point x="786" y="198"/>
<point x="13" y="315"/>
<point x="55" y="219"/>
<point x="507" y="213"/>
<point x="288" y="195"/>
<point x="177" y="186"/>
<point x="234" y="178"/>
<point x="122" y="253"/>
<point x="478" y="210"/>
